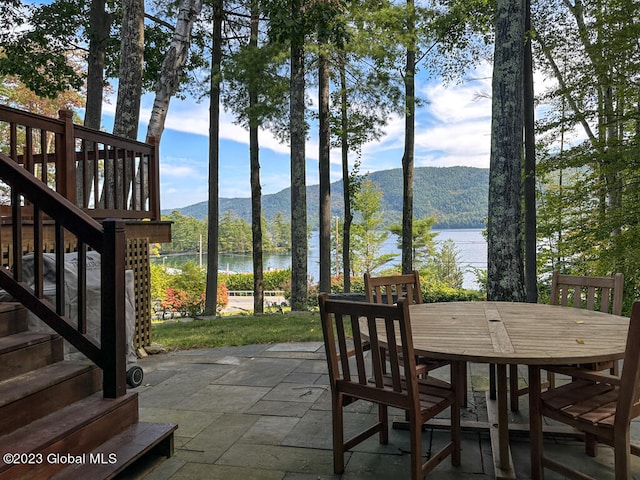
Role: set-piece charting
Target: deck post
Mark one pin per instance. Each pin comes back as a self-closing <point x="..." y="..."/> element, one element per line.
<point x="66" y="167"/>
<point x="113" y="326"/>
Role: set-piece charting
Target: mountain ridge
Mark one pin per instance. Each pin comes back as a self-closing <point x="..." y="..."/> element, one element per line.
<point x="456" y="196"/>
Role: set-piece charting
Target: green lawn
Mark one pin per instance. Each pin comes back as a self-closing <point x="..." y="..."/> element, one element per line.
<point x="238" y="330"/>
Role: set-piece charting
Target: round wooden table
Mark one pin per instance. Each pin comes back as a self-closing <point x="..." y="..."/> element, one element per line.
<point x="504" y="333"/>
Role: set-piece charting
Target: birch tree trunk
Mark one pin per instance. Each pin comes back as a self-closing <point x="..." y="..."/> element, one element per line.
<point x="172" y="65"/>
<point x="505" y="276"/>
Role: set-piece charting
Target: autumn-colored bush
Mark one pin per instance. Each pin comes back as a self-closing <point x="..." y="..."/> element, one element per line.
<point x="222" y="298"/>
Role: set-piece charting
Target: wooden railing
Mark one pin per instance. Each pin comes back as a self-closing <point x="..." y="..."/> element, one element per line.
<point x="47" y="206"/>
<point x="106" y="175"/>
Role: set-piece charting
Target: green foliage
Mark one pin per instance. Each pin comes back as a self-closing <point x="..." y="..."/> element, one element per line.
<point x="186" y="232"/>
<point x="183" y="292"/>
<point x="434" y="292"/>
<point x="234" y="234"/>
<point x="444" y="268"/>
<point x="367" y="234"/>
<point x="273" y="280"/>
<point x="422" y="242"/>
<point x="160" y="281"/>
<point x="588" y="199"/>
<point x="39" y="55"/>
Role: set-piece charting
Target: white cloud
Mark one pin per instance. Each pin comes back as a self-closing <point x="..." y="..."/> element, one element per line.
<point x="170" y="170"/>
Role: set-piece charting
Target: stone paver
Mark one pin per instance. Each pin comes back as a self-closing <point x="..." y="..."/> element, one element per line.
<point x="263" y="412"/>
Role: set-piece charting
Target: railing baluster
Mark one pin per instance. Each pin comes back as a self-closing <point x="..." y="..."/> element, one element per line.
<point x="13" y="141"/>
<point x="45" y="157"/>
<point x="38" y="249"/>
<point x="16" y="212"/>
<point x="60" y="287"/>
<point x="82" y="287"/>
<point x="96" y="175"/>
<point x="27" y="155"/>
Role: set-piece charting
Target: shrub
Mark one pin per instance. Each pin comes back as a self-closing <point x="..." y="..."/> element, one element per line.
<point x="222" y="297"/>
<point x="436" y="292"/>
<point x="273" y="280"/>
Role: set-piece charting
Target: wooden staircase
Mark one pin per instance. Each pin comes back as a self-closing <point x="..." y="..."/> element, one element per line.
<point x="54" y="420"/>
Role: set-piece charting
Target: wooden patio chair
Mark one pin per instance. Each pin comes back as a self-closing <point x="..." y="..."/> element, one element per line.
<point x="579" y="291"/>
<point x="387" y="290"/>
<point x="599" y="404"/>
<point x="354" y="376"/>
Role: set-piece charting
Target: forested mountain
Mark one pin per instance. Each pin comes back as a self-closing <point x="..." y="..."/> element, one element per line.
<point x="457" y="196"/>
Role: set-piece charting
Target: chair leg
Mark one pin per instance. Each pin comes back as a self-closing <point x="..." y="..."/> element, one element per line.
<point x="461" y="369"/>
<point x="415" y="434"/>
<point x="551" y="380"/>
<point x="513" y="387"/>
<point x="463" y="385"/>
<point x="338" y="435"/>
<point x="535" y="423"/>
<point x="590" y="445"/>
<point x="492" y="381"/>
<point x="383" y="418"/>
<point x="622" y="449"/>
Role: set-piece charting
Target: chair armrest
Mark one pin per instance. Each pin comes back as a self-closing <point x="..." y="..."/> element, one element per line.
<point x="584" y="374"/>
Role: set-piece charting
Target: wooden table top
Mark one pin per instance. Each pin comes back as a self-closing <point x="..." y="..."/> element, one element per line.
<point x="524" y="333"/>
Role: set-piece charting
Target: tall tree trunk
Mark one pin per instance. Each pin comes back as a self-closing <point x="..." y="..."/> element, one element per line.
<point x="100" y="23"/>
<point x="169" y="80"/>
<point x="324" y="142"/>
<point x="214" y="161"/>
<point x="172" y="65"/>
<point x="298" y="130"/>
<point x="98" y="36"/>
<point x="127" y="114"/>
<point x="409" y="141"/>
<point x="505" y="274"/>
<point x="530" y="236"/>
<point x="256" y="189"/>
<point x="346" y="180"/>
<point x="131" y="67"/>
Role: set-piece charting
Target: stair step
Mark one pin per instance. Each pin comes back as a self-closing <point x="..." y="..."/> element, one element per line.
<point x="71" y="431"/>
<point x="38" y="393"/>
<point x="25" y="351"/>
<point x="13" y="319"/>
<point x="121" y="451"/>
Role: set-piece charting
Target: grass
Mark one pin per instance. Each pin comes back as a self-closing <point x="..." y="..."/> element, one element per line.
<point x="238" y="330"/>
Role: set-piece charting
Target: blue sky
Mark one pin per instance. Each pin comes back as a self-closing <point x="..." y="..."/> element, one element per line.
<point x="452" y="128"/>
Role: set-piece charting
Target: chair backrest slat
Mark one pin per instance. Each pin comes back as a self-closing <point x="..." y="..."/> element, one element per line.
<point x="388" y="289"/>
<point x="603" y="293"/>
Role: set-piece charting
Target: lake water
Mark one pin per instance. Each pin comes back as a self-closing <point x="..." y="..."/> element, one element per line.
<point x="470" y="245"/>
